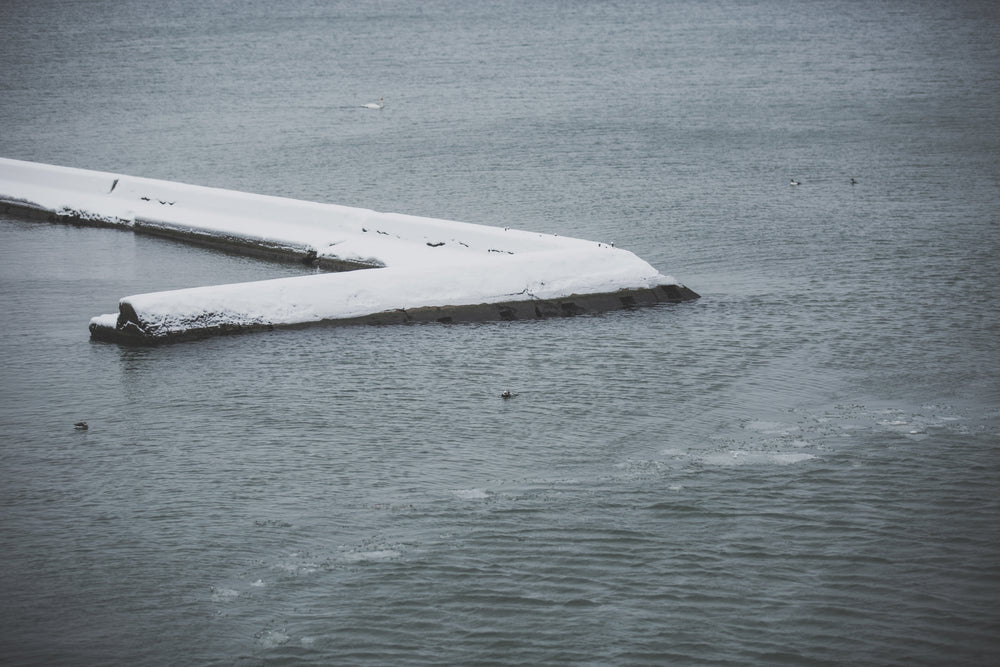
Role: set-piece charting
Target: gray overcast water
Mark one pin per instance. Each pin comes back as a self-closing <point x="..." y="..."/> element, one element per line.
<point x="799" y="468"/>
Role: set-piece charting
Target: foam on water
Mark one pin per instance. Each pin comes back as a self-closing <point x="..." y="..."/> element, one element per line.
<point x="224" y="594"/>
<point x="471" y="494"/>
<point x="269" y="638"/>
<point x="771" y="428"/>
<point x="371" y="556"/>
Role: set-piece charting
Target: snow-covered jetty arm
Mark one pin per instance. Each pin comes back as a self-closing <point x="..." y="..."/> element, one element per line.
<point x="425" y="269"/>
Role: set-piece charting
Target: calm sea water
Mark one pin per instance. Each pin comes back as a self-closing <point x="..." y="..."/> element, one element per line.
<point x="800" y="468"/>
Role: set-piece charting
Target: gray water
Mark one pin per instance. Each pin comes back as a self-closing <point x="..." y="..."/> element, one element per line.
<point x="802" y="467"/>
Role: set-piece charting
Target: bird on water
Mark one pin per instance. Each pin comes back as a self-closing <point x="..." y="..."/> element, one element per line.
<point x="507" y="394"/>
<point x="375" y="105"/>
<point x="794" y="182"/>
<point x="81" y="426"/>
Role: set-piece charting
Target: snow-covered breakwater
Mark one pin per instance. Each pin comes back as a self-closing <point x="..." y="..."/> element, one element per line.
<point x="425" y="269"/>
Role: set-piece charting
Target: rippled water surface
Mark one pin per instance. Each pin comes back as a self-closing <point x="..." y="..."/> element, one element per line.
<point x="799" y="468"/>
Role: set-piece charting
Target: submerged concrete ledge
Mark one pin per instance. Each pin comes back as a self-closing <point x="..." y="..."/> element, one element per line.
<point x="421" y="269"/>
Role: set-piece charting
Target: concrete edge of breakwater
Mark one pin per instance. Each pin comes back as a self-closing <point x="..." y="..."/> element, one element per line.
<point x="230" y="244"/>
<point x="129" y="329"/>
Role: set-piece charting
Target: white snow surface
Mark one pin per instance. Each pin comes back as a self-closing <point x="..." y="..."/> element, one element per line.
<point x="426" y="261"/>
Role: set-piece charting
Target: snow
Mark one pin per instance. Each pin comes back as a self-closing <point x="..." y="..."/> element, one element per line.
<point x="426" y="261"/>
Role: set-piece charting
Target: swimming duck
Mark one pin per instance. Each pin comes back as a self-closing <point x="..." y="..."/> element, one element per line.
<point x="81" y="426"/>
<point x="794" y="182"/>
<point x="507" y="394"/>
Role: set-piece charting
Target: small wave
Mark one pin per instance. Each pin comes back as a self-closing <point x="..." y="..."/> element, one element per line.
<point x="224" y="594"/>
<point x="741" y="458"/>
<point x="633" y="469"/>
<point x="298" y="563"/>
<point x="673" y="452"/>
<point x="471" y="494"/>
<point x="771" y="428"/>
<point x="378" y="555"/>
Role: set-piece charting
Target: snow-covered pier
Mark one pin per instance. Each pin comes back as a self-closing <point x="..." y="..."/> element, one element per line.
<point x="426" y="270"/>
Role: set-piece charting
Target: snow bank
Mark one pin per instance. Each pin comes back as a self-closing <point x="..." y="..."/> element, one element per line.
<point x="425" y="262"/>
